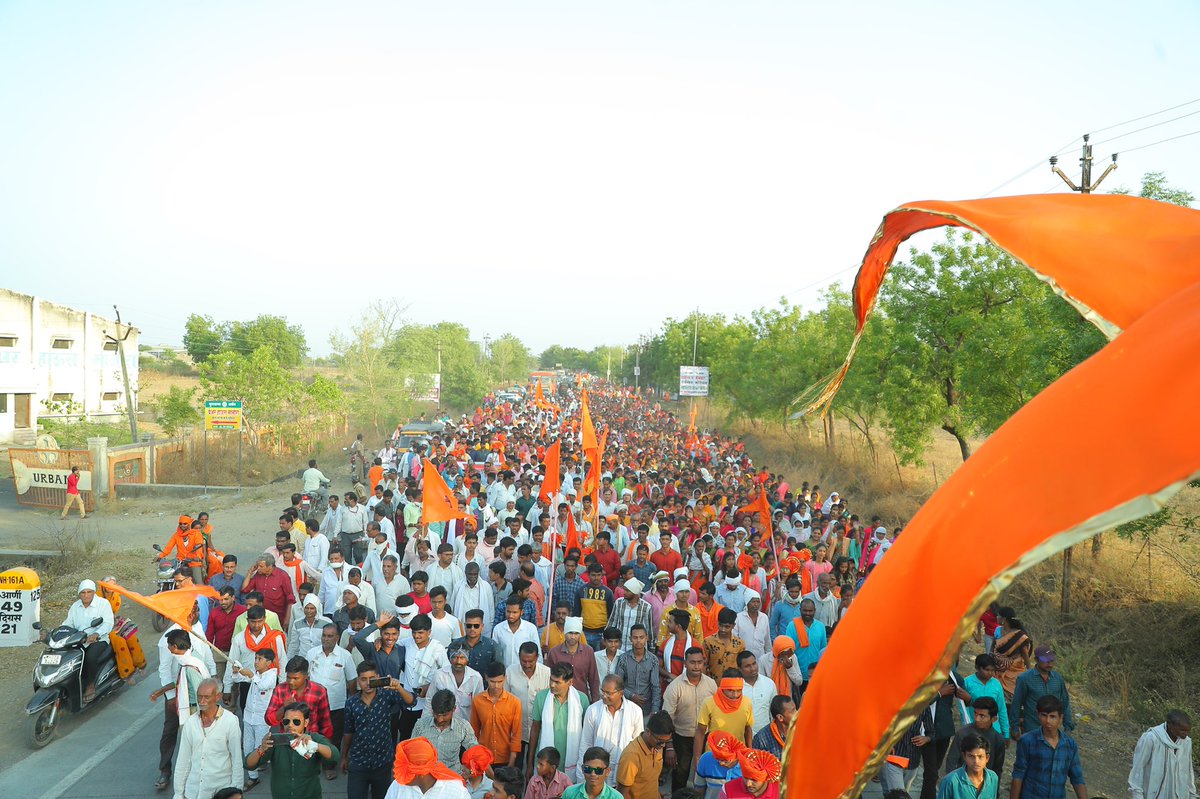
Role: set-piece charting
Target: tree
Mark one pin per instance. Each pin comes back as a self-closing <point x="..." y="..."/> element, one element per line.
<point x="511" y="359"/>
<point x="376" y="392"/>
<point x="1154" y="187"/>
<point x="285" y="341"/>
<point x="202" y="337"/>
<point x="570" y="358"/>
<point x="177" y="409"/>
<point x="256" y="379"/>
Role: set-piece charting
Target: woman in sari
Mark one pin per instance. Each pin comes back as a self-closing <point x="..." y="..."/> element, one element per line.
<point x="1012" y="650"/>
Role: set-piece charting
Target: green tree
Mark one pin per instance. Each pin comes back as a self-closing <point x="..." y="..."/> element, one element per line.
<point x="511" y="360"/>
<point x="570" y="358"/>
<point x="256" y="379"/>
<point x="376" y="393"/>
<point x="414" y="348"/>
<point x="1154" y="187"/>
<point x="202" y="337"/>
<point x="285" y="341"/>
<point x="177" y="408"/>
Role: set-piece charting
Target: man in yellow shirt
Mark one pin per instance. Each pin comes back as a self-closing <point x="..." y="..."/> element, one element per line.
<point x="726" y="710"/>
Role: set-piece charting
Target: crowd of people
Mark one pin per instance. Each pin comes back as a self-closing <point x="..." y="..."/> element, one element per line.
<point x="639" y="616"/>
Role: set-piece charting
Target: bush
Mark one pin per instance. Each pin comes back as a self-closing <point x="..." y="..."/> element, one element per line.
<point x="177" y="408"/>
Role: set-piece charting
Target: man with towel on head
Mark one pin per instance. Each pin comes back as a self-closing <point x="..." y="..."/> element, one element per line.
<point x="420" y="775"/>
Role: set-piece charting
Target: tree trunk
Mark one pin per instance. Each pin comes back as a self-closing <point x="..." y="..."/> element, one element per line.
<point x="964" y="446"/>
<point x="1097" y="545"/>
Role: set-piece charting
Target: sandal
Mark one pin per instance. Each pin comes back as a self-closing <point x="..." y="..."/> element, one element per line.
<point x="331" y="775"/>
<point x="164" y="779"/>
<point x="251" y="783"/>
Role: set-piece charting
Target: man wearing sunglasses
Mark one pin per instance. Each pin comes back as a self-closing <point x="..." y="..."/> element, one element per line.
<point x="595" y="771"/>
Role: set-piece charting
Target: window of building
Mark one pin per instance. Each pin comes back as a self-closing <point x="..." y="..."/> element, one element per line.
<point x="110" y="346"/>
<point x="62" y="343"/>
<point x="8" y="341"/>
<point x="62" y="397"/>
<point x="110" y="396"/>
<point x="3" y="403"/>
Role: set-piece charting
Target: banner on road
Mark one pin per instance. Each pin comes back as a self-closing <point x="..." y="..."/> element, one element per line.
<point x="693" y="381"/>
<point x="40" y="476"/>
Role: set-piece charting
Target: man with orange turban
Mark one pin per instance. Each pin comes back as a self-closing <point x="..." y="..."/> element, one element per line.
<point x="478" y="761"/>
<point x="783" y="668"/>
<point x="725" y="711"/>
<point x="719" y="764"/>
<point x="760" y="777"/>
<point x="419" y="773"/>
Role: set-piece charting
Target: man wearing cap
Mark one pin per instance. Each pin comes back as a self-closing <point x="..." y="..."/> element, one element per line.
<point x="682" y="591"/>
<point x="659" y="597"/>
<point x="83" y="611"/>
<point x="460" y="679"/>
<point x="418" y="773"/>
<point x="631" y="609"/>
<point x="1042" y="680"/>
<point x="581" y="657"/>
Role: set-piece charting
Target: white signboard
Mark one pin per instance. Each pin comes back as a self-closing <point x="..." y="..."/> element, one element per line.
<point x="20" y="607"/>
<point x="26" y="477"/>
<point x="430" y="389"/>
<point x="693" y="381"/>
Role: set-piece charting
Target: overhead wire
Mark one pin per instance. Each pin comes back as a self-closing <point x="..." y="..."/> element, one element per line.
<point x="1148" y="127"/>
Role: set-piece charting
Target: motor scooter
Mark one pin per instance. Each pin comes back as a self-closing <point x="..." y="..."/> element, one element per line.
<point x="58" y="682"/>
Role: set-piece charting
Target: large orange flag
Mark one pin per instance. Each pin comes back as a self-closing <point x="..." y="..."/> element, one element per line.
<point x="553" y="463"/>
<point x="589" y="430"/>
<point x="762" y="507"/>
<point x="437" y="502"/>
<point x="692" y="422"/>
<point x="175" y="605"/>
<point x="1132" y="267"/>
<point x="573" y="540"/>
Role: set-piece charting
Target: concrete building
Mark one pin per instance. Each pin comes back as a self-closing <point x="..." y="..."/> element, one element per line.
<point x="56" y="362"/>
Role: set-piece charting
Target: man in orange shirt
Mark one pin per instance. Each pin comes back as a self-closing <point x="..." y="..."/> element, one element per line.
<point x="709" y="608"/>
<point x="496" y="718"/>
<point x="188" y="545"/>
<point x="374" y="475"/>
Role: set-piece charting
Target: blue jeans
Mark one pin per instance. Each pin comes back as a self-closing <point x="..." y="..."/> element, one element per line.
<point x="595" y="640"/>
<point x="377" y="781"/>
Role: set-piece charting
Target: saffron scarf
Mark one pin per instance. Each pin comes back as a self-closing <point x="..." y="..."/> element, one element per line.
<point x="723" y="702"/>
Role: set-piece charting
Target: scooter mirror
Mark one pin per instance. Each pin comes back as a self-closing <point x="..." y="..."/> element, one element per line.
<point x="158" y="547"/>
<point x="96" y="623"/>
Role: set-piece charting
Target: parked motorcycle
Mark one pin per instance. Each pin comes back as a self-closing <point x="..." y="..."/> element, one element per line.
<point x="165" y="581"/>
<point x="58" y="682"/>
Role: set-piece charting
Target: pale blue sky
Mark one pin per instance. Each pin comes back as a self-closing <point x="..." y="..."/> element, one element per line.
<point x="586" y="168"/>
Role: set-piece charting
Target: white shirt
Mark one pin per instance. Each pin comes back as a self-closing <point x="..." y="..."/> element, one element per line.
<point x="612" y="731"/>
<point x="316" y="552"/>
<point x="472" y="686"/>
<point x="168" y="668"/>
<point x="755" y="635"/>
<point x="388" y="529"/>
<point x="445" y="629"/>
<point x="332" y="671"/>
<point x="477" y="597"/>
<point x="332" y="578"/>
<point x="301" y="637"/>
<point x="243" y="655"/>
<point x="442" y="789"/>
<point x="450" y="577"/>
<point x="313" y="477"/>
<point x="209" y="759"/>
<point x="420" y="665"/>
<point x="331" y="524"/>
<point x="81" y="618"/>
<point x="509" y="642"/>
<point x="760" y="695"/>
<point x="604" y="666"/>
<point x="386" y="593"/>
<point x="526" y="689"/>
<point x="258" y="698"/>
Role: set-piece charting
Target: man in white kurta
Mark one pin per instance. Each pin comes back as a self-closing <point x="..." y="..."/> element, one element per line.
<point x="612" y="723"/>
<point x="210" y="747"/>
<point x="753" y="626"/>
<point x="1162" y="761"/>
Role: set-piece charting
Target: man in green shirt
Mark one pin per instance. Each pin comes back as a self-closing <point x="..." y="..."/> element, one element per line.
<point x="596" y="766"/>
<point x="565" y="711"/>
<point x="295" y="772"/>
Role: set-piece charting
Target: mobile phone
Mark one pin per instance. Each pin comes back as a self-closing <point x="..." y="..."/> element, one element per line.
<point x="282" y="738"/>
<point x="379" y="682"/>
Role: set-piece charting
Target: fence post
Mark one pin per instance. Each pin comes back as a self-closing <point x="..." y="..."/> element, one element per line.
<point x="98" y="446"/>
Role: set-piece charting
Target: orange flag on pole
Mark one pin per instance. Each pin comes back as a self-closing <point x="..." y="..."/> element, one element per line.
<point x="175" y="605"/>
<point x="553" y="461"/>
<point x="692" y="422"/>
<point x="573" y="540"/>
<point x="437" y="502"/>
<point x="589" y="430"/>
<point x="762" y="507"/>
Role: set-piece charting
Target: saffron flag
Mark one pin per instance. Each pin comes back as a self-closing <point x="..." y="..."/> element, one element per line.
<point x="573" y="539"/>
<point x="589" y="430"/>
<point x="551" y="484"/>
<point x="175" y="605"/>
<point x="1132" y="267"/>
<point x="692" y="422"/>
<point x="762" y="507"/>
<point x="437" y="502"/>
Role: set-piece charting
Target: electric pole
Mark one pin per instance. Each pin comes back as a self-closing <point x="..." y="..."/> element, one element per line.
<point x="129" y="409"/>
<point x="1086" y="186"/>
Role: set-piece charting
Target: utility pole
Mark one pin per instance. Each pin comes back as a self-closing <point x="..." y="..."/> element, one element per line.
<point x="637" y="366"/>
<point x="129" y="409"/>
<point x="1086" y="186"/>
<point x="439" y="375"/>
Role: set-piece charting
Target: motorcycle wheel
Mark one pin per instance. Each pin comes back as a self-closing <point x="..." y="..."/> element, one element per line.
<point x="160" y="622"/>
<point x="39" y="730"/>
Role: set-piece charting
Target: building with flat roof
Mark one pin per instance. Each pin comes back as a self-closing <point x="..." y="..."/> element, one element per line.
<point x="59" y="362"/>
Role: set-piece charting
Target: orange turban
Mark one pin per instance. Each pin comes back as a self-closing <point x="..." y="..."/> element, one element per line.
<point x="723" y="702"/>
<point x="805" y="554"/>
<point x="724" y="746"/>
<point x="477" y="759"/>
<point x="759" y="766"/>
<point x="792" y="564"/>
<point x="782" y="644"/>
<point x="416" y="757"/>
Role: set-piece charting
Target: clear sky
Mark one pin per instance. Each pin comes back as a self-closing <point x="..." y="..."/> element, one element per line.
<point x="570" y="172"/>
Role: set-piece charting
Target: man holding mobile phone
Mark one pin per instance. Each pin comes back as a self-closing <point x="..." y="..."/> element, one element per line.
<point x="367" y="744"/>
<point x="296" y="754"/>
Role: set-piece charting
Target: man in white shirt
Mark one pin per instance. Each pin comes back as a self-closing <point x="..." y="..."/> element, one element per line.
<point x="445" y="626"/>
<point x="354" y="528"/>
<point x="513" y="631"/>
<point x="611" y="723"/>
<point x="827" y="604"/>
<point x="83" y="611"/>
<point x="331" y="524"/>
<point x="474" y="594"/>
<point x="210" y="747"/>
<point x="460" y="679"/>
<point x="313" y="478"/>
<point x="756" y="687"/>
<point x="197" y="656"/>
<point x="335" y="573"/>
<point x="263" y="680"/>
<point x="501" y="492"/>
<point x="444" y="571"/>
<point x="385" y="525"/>
<point x="524" y="680"/>
<point x="332" y="667"/>
<point x="753" y="626"/>
<point x="316" y="547"/>
<point x="391" y="585"/>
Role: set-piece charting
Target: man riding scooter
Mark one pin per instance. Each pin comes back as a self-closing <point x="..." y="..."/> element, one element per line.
<point x="316" y="484"/>
<point x="84" y="610"/>
<point x="188" y="544"/>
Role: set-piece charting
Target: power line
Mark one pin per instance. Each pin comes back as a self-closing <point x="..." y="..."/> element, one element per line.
<point x="1148" y="127"/>
<point x="1035" y="165"/>
<point x="1160" y="141"/>
<point x="1146" y="116"/>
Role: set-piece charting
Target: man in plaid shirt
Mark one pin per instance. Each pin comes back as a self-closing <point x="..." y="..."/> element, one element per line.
<point x="630" y="610"/>
<point x="568" y="585"/>
<point x="299" y="688"/>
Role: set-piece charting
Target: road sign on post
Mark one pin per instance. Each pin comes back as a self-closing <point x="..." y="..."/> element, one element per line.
<point x="693" y="381"/>
<point x="223" y="415"/>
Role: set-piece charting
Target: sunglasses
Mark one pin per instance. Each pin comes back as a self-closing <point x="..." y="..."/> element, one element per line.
<point x="294" y="722"/>
<point x="473" y="626"/>
<point x="597" y="770"/>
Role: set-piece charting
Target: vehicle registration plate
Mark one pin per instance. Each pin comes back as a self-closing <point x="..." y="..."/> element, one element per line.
<point x="51" y="660"/>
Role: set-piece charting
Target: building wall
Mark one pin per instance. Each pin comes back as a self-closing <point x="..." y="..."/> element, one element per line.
<point x="60" y="358"/>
